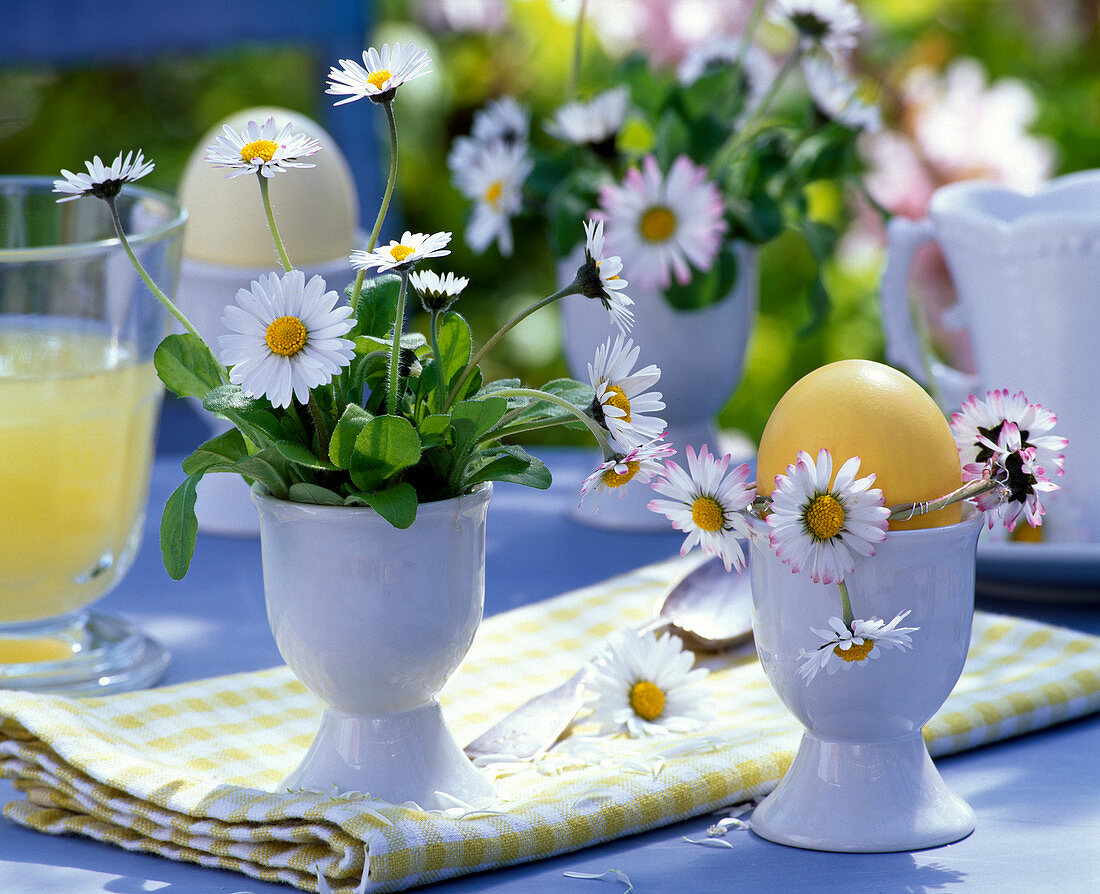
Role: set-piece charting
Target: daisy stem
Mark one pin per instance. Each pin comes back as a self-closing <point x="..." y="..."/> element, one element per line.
<point x="846" y="605"/>
<point x="578" y="42"/>
<point x="385" y="206"/>
<point x="572" y="289"/>
<point x="395" y="348"/>
<point x="319" y="426"/>
<point x="729" y="149"/>
<point x="271" y="225"/>
<point x="156" y="290"/>
<point x="434" y="333"/>
<point x="751" y="25"/>
<point x="588" y="421"/>
<point x="973" y="488"/>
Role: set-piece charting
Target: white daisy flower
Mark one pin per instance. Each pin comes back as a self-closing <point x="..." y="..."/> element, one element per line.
<point x="492" y="175"/>
<point x="286" y="337"/>
<point x="835" y="93"/>
<point x="978" y="425"/>
<point x="412" y="249"/>
<point x="758" y="68"/>
<point x="817" y="525"/>
<point x="1021" y="477"/>
<point x="103" y="181"/>
<point x="644" y="684"/>
<point x="707" y="502"/>
<point x="437" y="292"/>
<point x="599" y="278"/>
<point x="832" y="25"/>
<point x="501" y="119"/>
<point x="842" y="646"/>
<point x="639" y="464"/>
<point x="381" y="73"/>
<point x="589" y="123"/>
<point x="622" y="404"/>
<point x="266" y="150"/>
<point x="660" y="225"/>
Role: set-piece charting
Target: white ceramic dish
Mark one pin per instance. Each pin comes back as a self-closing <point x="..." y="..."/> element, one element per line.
<point x="1040" y="566"/>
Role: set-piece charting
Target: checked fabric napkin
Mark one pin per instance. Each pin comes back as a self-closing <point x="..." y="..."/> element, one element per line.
<point x="187" y="771"/>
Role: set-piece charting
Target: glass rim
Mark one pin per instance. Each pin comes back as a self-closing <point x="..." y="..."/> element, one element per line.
<point x="29" y="254"/>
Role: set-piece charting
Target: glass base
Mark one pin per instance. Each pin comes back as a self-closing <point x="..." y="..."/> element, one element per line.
<point x="84" y="653"/>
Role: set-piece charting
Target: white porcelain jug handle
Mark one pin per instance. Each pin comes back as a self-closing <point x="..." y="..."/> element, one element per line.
<point x="903" y="347"/>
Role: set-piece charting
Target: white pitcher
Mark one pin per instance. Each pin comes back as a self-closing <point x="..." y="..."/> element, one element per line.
<point x="1026" y="268"/>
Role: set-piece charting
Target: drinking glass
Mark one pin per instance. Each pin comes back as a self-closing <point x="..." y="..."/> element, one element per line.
<point x="79" y="401"/>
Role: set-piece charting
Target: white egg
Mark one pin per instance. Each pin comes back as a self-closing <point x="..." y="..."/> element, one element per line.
<point x="316" y="208"/>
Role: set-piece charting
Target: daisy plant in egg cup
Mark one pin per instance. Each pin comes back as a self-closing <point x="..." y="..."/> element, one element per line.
<point x="820" y="522"/>
<point x="681" y="166"/>
<point x="331" y="401"/>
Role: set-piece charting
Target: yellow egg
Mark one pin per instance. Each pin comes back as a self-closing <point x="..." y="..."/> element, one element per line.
<point x="865" y="409"/>
<point x="316" y="208"/>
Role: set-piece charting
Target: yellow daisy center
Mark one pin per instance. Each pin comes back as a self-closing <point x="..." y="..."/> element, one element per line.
<point x="853" y="652"/>
<point x="618" y="398"/>
<point x="824" y="517"/>
<point x="264" y="149"/>
<point x="707" y="514"/>
<point x="647" y="700"/>
<point x="400" y="252"/>
<point x="378" y="78"/>
<point x="657" y="224"/>
<point x="286" y="336"/>
<point x="611" y="478"/>
<point x="494" y="192"/>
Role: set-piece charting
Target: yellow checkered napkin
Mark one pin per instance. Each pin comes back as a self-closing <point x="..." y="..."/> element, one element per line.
<point x="187" y="771"/>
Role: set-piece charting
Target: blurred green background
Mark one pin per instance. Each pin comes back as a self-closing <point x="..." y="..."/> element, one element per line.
<point x="51" y="119"/>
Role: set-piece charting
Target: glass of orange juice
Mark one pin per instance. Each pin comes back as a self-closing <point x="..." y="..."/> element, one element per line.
<point x="79" y="401"/>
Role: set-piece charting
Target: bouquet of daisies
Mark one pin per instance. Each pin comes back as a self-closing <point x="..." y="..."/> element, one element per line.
<point x="680" y="164"/>
<point x="331" y="400"/>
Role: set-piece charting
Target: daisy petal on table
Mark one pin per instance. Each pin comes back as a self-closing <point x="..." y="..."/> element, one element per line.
<point x="591" y="122"/>
<point x="411" y="250"/>
<point x="102" y="181"/>
<point x="662" y="225"/>
<point x="437" y="293"/>
<point x="832" y="25"/>
<point x="842" y="646"/>
<point x="639" y="464"/>
<point x="643" y="684"/>
<point x="622" y="405"/>
<point x="816" y="523"/>
<point x="261" y="149"/>
<point x="707" y="502"/>
<point x="381" y="73"/>
<point x="599" y="278"/>
<point x="285" y="337"/>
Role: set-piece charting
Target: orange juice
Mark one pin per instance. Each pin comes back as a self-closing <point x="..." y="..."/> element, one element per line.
<point x="76" y="442"/>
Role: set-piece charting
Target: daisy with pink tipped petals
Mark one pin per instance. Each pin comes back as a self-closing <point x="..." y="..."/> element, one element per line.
<point x="1021" y="477"/>
<point x="707" y="503"/>
<point x="978" y="426"/>
<point x="381" y="73"/>
<point x="639" y="464"/>
<point x="622" y="404"/>
<point x="662" y="226"/>
<point x="817" y="523"/>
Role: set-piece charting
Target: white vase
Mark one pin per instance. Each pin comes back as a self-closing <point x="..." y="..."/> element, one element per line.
<point x="862" y="780"/>
<point x="701" y="355"/>
<point x="374" y="620"/>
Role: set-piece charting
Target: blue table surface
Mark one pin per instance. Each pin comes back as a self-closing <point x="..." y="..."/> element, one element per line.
<point x="1037" y="797"/>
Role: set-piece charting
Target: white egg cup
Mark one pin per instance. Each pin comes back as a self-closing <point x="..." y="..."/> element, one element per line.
<point x="862" y="780"/>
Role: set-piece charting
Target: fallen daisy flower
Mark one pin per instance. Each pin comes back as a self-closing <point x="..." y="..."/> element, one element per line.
<point x="607" y="875"/>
